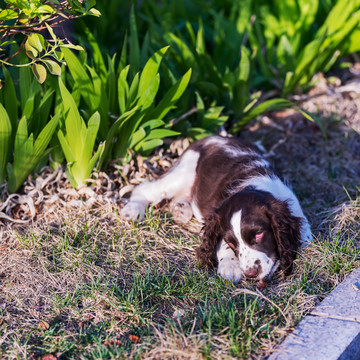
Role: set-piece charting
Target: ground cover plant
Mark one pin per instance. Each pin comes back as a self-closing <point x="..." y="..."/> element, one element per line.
<point x="76" y="281"/>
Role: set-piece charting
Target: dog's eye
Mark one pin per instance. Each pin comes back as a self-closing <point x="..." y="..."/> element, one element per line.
<point x="258" y="237"/>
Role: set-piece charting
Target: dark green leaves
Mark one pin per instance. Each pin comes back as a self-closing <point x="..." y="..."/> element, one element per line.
<point x="27" y="153"/>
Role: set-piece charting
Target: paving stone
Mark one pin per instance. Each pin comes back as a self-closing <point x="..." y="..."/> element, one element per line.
<point x="344" y="301"/>
<point x="317" y="338"/>
<point x="331" y="331"/>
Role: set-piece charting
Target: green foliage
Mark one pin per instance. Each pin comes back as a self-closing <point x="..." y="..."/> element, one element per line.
<point x="119" y="112"/>
<point x="21" y="21"/>
<point x="21" y="153"/>
<point x="131" y="116"/>
<point x="291" y="47"/>
<point x="223" y="68"/>
<point x="185" y="67"/>
<point x="79" y="141"/>
<point x="27" y="153"/>
<point x="217" y="76"/>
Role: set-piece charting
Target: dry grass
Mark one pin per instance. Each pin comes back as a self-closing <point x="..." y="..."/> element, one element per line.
<point x="77" y="282"/>
<point x="97" y="282"/>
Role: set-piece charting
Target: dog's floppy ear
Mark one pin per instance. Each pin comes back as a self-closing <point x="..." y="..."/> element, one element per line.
<point x="286" y="229"/>
<point x="211" y="233"/>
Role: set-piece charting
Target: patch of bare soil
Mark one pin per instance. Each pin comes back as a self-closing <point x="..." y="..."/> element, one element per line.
<point x="322" y="168"/>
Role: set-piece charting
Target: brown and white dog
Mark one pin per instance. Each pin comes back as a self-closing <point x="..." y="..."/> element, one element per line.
<point x="252" y="221"/>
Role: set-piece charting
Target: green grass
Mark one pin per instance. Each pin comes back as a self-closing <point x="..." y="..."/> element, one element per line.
<point x="97" y="282"/>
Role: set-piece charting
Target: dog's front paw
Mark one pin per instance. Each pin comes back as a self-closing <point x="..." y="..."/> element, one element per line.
<point x="133" y="210"/>
<point x="229" y="269"/>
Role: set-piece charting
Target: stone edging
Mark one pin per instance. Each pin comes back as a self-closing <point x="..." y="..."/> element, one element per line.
<point x="331" y="331"/>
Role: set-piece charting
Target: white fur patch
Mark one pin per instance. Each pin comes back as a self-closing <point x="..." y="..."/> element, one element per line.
<point x="196" y="211"/>
<point x="177" y="182"/>
<point x="228" y="263"/>
<point x="280" y="191"/>
<point x="247" y="255"/>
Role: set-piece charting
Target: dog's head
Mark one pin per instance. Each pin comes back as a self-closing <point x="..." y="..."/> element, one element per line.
<point x="259" y="228"/>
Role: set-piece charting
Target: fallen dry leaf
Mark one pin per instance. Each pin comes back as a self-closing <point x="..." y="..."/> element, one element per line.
<point x="43" y="325"/>
<point x="4" y="247"/>
<point x="135" y="339"/>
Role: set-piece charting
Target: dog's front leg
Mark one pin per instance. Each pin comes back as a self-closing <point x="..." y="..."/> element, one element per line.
<point x="228" y="263"/>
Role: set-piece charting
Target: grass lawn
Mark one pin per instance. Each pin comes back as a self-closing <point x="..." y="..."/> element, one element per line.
<point x="95" y="289"/>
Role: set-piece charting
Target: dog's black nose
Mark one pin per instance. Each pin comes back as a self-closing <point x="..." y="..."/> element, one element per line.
<point x="252" y="272"/>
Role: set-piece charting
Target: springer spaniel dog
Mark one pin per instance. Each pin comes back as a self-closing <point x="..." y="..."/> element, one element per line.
<point x="252" y="221"/>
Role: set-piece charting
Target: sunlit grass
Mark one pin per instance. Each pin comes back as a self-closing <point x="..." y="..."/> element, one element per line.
<point x="99" y="286"/>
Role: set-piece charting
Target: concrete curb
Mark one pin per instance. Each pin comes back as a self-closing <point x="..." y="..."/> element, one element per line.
<point x="331" y="331"/>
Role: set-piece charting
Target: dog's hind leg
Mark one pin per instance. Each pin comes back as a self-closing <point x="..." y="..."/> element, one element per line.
<point x="176" y="183"/>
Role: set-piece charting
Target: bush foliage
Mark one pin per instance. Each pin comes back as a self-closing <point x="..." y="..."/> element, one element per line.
<point x="172" y="67"/>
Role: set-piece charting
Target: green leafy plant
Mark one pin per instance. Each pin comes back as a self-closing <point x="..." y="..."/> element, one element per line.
<point x="27" y="153"/>
<point x="132" y="117"/>
<point x="79" y="141"/>
<point x="223" y="71"/>
<point x="43" y="55"/>
<point x="147" y="129"/>
<point x="21" y="153"/>
<point x="291" y="47"/>
<point x="20" y="26"/>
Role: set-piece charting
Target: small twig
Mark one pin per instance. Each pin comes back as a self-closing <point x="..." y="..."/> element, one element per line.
<point x="183" y="116"/>
<point x="21" y="46"/>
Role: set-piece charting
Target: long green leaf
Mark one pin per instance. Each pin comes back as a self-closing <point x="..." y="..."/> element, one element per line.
<point x="42" y="112"/>
<point x="149" y="145"/>
<point x="92" y="130"/>
<point x="111" y="84"/>
<point x="82" y="80"/>
<point x="136" y="137"/>
<point x="25" y="78"/>
<point x="73" y="121"/>
<point x="149" y="80"/>
<point x="5" y="136"/>
<point x="161" y="133"/>
<point x="104" y="158"/>
<point x="171" y="97"/>
<point x="94" y="159"/>
<point x="268" y="105"/>
<point x="26" y="154"/>
<point x="10" y="99"/>
<point x="123" y="89"/>
<point x="69" y="155"/>
<point x="134" y="52"/>
<point x="45" y="136"/>
<point x="97" y="56"/>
